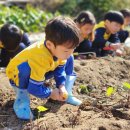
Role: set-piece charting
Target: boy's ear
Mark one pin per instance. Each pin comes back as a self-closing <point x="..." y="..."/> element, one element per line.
<point x="79" y="25"/>
<point x="107" y="21"/>
<point x="1" y="45"/>
<point x="49" y="44"/>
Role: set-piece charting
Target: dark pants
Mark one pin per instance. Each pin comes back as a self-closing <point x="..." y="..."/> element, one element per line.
<point x="84" y="46"/>
<point x="6" y="56"/>
<point x="101" y="53"/>
<point x="123" y="35"/>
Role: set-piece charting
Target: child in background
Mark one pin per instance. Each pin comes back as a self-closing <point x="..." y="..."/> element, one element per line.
<point x="85" y="22"/>
<point x="106" y="36"/>
<point x="126" y="14"/>
<point x="124" y="33"/>
<point x="12" y="41"/>
<point x="28" y="70"/>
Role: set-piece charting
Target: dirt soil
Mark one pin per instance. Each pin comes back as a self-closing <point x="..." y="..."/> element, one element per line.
<point x="98" y="112"/>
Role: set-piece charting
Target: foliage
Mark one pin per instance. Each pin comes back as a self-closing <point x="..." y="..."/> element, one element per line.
<point x="97" y="7"/>
<point x="42" y="108"/>
<point x="110" y="91"/>
<point x="83" y="89"/>
<point x="33" y="19"/>
<point x="68" y="7"/>
<point x="127" y="85"/>
<point x="29" y="19"/>
<point x="50" y="5"/>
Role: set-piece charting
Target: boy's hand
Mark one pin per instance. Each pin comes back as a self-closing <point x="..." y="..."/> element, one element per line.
<point x="115" y="46"/>
<point x="119" y="52"/>
<point x="55" y="94"/>
<point x="59" y="94"/>
<point x="63" y="93"/>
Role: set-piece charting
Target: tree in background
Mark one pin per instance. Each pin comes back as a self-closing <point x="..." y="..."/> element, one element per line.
<point x="34" y="19"/>
<point x="69" y="7"/>
<point x="98" y="7"/>
<point x="72" y="7"/>
<point x="50" y="5"/>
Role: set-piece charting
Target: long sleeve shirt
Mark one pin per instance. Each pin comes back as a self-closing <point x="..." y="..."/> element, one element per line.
<point x="102" y="37"/>
<point x="40" y="62"/>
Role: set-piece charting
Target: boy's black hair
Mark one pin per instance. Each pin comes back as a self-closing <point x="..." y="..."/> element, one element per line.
<point x="85" y="17"/>
<point x="61" y="30"/>
<point x="125" y="12"/>
<point x="114" y="16"/>
<point x="10" y="36"/>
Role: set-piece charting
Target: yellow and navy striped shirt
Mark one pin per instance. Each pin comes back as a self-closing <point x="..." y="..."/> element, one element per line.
<point x="101" y="36"/>
<point x="39" y="60"/>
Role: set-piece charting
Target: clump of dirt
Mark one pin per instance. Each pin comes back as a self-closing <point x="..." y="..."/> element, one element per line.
<point x="104" y="71"/>
<point x="97" y="112"/>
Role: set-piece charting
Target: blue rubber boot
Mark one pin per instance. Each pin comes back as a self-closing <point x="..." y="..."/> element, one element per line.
<point x="69" y="85"/>
<point x="22" y="104"/>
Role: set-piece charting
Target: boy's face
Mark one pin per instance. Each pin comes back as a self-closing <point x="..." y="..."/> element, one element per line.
<point x="62" y="52"/>
<point x="113" y="27"/>
<point x="126" y="21"/>
<point x="86" y="30"/>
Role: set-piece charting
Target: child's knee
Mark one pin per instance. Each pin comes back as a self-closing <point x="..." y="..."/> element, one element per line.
<point x="24" y="75"/>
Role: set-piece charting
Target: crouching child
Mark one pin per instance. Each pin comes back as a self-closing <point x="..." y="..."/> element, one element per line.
<point x="28" y="70"/>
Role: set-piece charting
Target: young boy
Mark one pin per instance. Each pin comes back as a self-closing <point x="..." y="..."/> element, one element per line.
<point x="106" y="37"/>
<point x="12" y="41"/>
<point x="28" y="70"/>
<point x="124" y="33"/>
